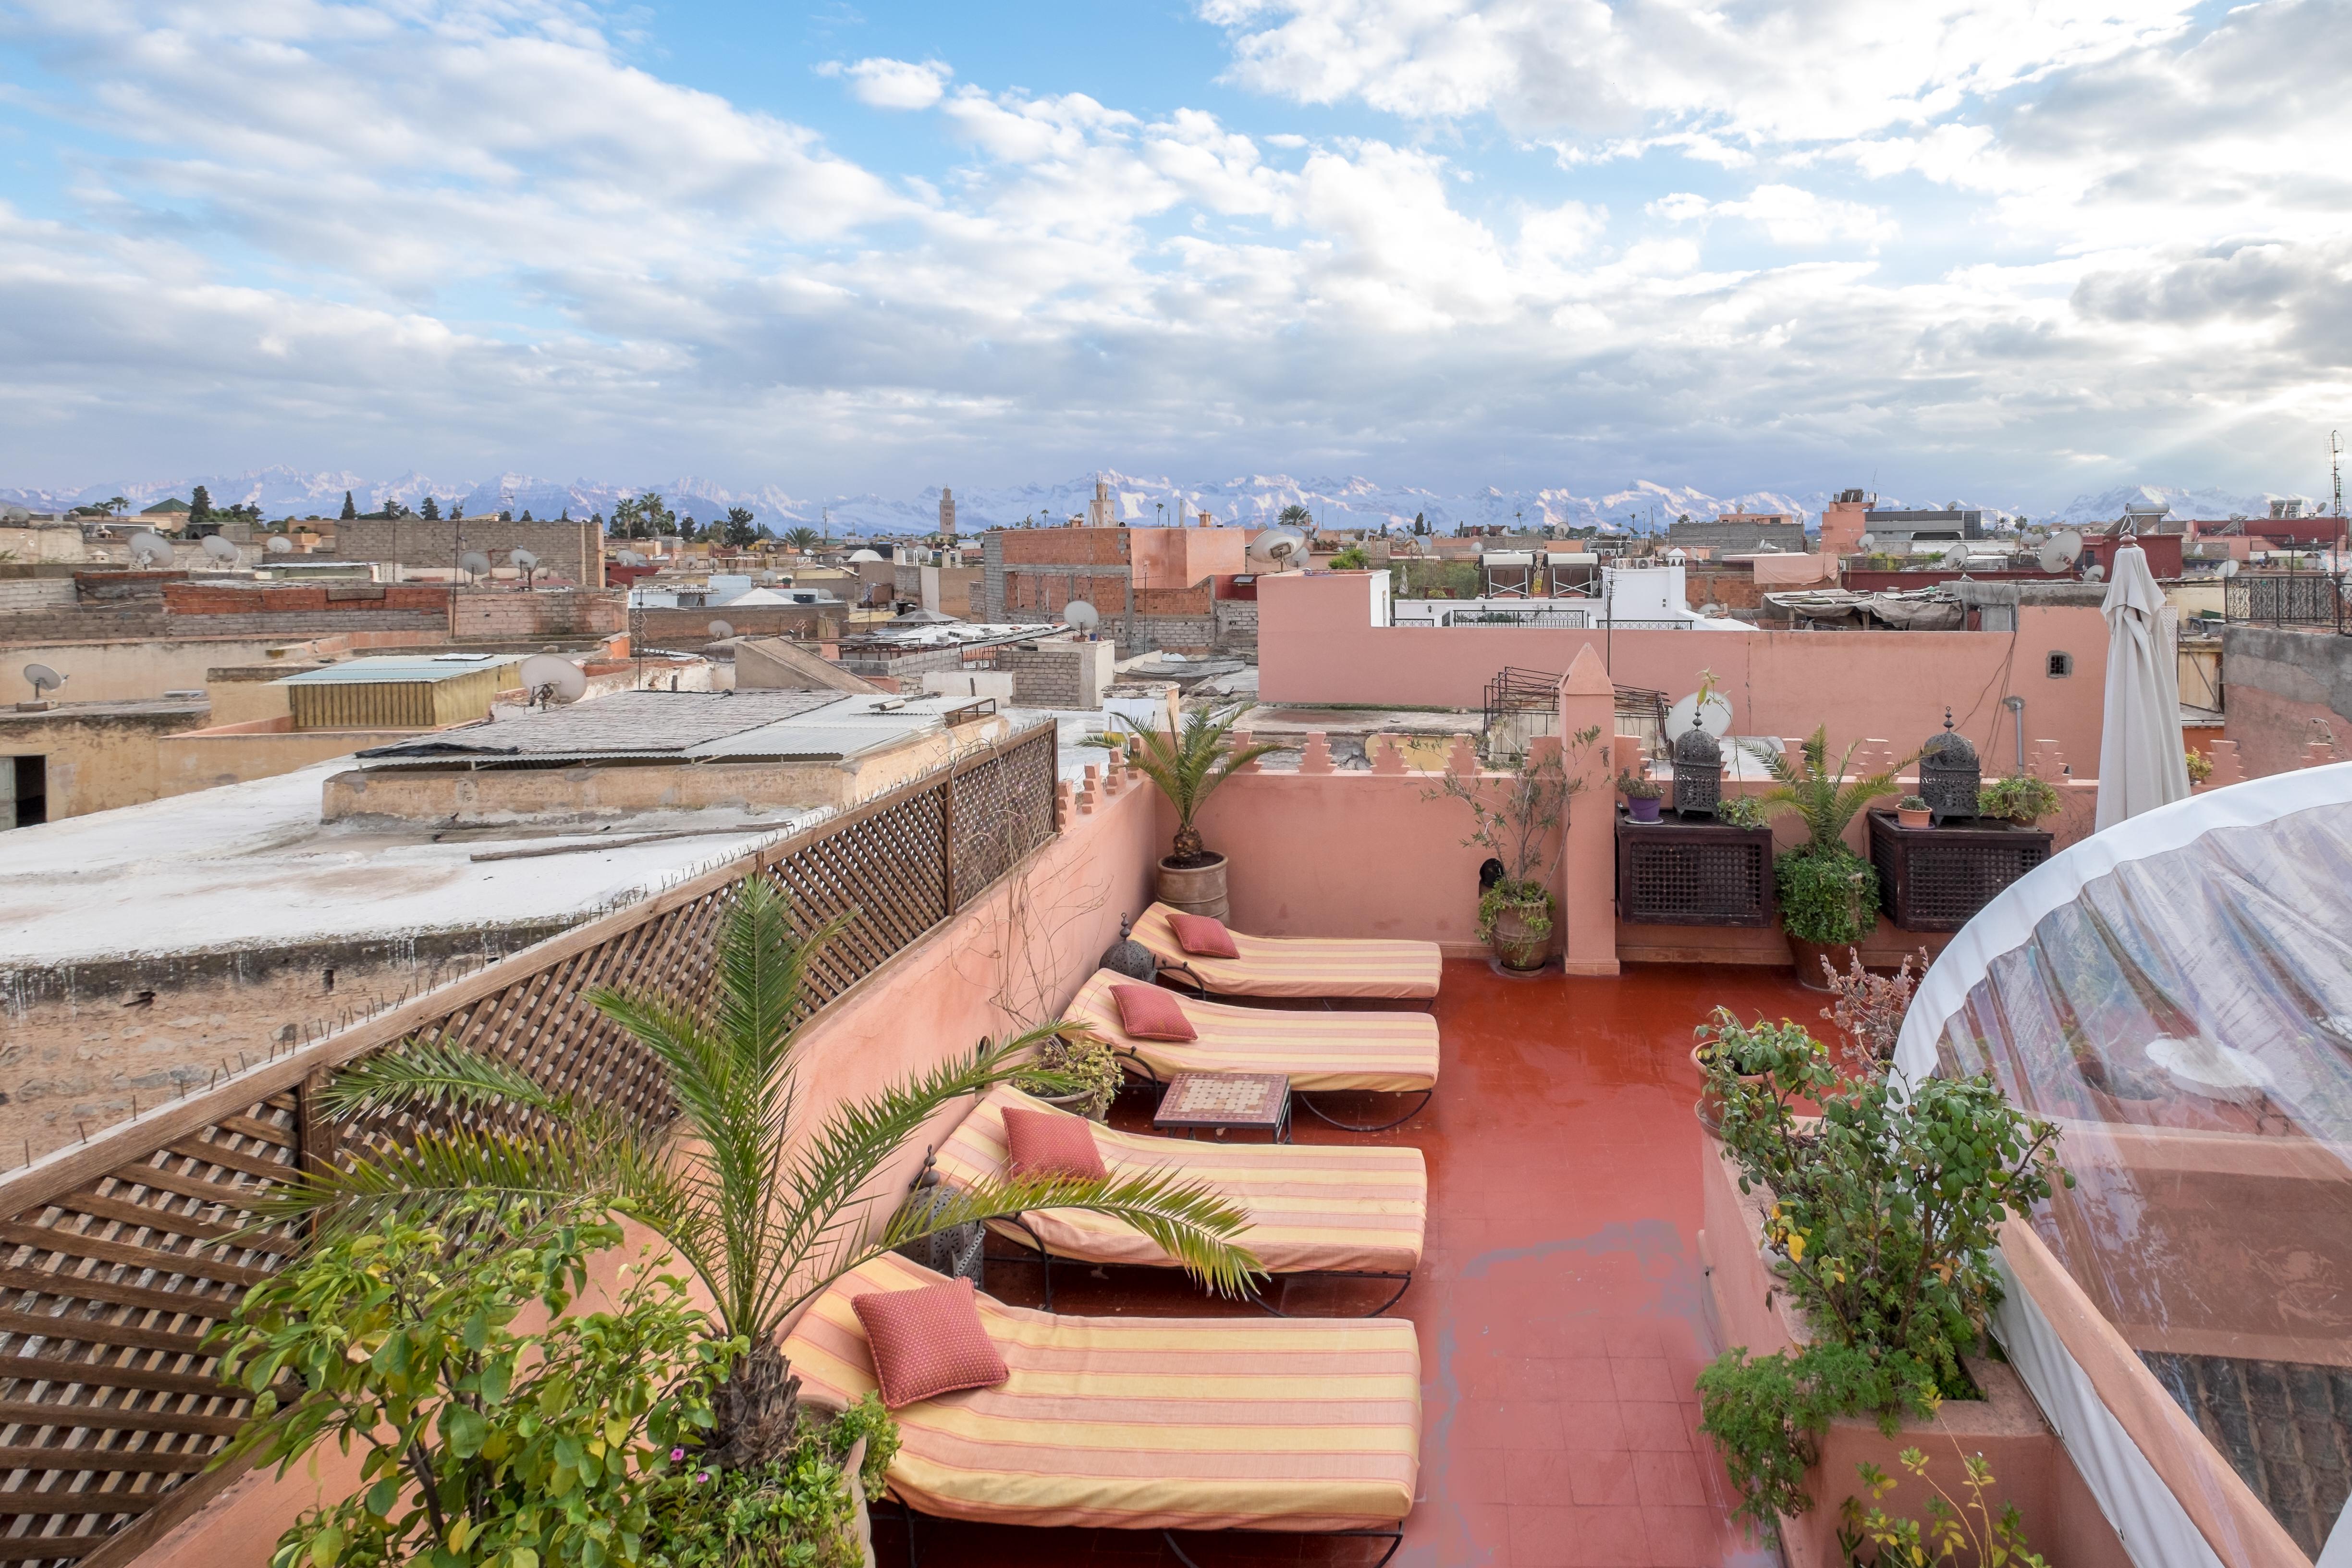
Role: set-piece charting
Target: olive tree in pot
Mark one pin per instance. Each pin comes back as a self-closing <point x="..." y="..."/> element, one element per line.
<point x="1522" y="831"/>
<point x="1829" y="894"/>
<point x="1188" y="761"/>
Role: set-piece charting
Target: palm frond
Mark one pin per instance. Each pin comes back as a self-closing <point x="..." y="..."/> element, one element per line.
<point x="434" y="1075"/>
<point x="1186" y="1219"/>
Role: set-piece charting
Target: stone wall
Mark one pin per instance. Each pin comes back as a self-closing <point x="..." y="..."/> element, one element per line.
<point x="1236" y="625"/>
<point x="2282" y="689"/>
<point x="98" y="755"/>
<point x="506" y="614"/>
<point x="1064" y="675"/>
<point x="574" y="550"/>
<point x="83" y="1040"/>
<point x="692" y="628"/>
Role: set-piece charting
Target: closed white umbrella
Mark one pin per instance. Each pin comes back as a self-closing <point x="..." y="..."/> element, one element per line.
<point x="2140" y="762"/>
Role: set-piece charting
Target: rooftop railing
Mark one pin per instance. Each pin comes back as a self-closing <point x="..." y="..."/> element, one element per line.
<point x="124" y="1252"/>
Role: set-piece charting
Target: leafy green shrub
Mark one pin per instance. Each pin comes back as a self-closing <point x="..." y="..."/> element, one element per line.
<point x="1887" y="1208"/>
<point x="1075" y="1060"/>
<point x="1965" y="1534"/>
<point x="1826" y="896"/>
<point x="1529" y="900"/>
<point x="1746" y="1050"/>
<point x="2021" y="797"/>
<point x="1739" y="811"/>
<point x="484" y="1445"/>
<point x="792" y="1512"/>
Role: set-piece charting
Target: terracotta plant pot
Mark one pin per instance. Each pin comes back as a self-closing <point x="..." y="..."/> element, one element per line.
<point x="1906" y="818"/>
<point x="1516" y="946"/>
<point x="1196" y="889"/>
<point x="1710" y="1104"/>
<point x="1642" y="810"/>
<point x="1808" y="956"/>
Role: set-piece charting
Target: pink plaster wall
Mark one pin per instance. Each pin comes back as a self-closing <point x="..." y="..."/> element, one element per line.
<point x="1316" y="644"/>
<point x="1036" y="936"/>
<point x="1181" y="557"/>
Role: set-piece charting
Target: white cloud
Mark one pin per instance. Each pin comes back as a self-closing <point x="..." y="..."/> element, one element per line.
<point x="883" y="83"/>
<point x="1789" y="215"/>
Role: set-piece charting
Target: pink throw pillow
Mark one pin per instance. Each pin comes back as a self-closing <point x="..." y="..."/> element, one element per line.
<point x="1051" y="1143"/>
<point x="928" y="1342"/>
<point x="1148" y="1013"/>
<point x="1203" y="937"/>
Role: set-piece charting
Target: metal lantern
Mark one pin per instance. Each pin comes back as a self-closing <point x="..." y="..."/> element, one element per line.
<point x="1130" y="957"/>
<point x="1949" y="774"/>
<point x="1699" y="770"/>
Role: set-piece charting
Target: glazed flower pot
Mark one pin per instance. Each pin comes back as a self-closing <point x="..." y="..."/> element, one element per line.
<point x="1642" y="810"/>
<point x="1906" y="818"/>
<point x="1841" y="955"/>
<point x="1709" y="1108"/>
<point x="1196" y="890"/>
<point x="1516" y="945"/>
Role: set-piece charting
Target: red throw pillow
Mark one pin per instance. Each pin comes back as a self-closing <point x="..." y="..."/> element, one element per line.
<point x="1050" y="1143"/>
<point x="1203" y="937"/>
<point x="1148" y="1013"/>
<point x="928" y="1342"/>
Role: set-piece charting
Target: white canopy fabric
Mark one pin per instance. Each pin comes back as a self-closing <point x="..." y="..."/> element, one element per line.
<point x="2141" y="763"/>
<point x="2176" y="993"/>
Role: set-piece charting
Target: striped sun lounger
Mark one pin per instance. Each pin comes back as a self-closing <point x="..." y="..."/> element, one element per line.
<point x="1299" y="967"/>
<point x="1359" y="1210"/>
<point x="1256" y="1423"/>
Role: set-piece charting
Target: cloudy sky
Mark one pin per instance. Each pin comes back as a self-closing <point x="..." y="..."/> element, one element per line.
<point x="2010" y="248"/>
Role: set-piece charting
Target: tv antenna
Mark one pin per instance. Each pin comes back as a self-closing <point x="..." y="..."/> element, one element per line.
<point x="221" y="550"/>
<point x="150" y="549"/>
<point x="551" y="681"/>
<point x="2335" y="469"/>
<point x="43" y="680"/>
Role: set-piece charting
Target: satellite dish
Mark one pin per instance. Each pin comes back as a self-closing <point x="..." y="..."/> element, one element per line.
<point x="1715" y="721"/>
<point x="770" y="579"/>
<point x="722" y="629"/>
<point x="2230" y="567"/>
<point x="281" y="545"/>
<point x="524" y="562"/>
<point x="150" y="549"/>
<point x="630" y="558"/>
<point x="474" y="564"/>
<point x="1277" y="545"/>
<point x="2062" y="551"/>
<point x="1867" y="541"/>
<point x="549" y="680"/>
<point x="1957" y="558"/>
<point x="14" y="515"/>
<point x="1080" y="616"/>
<point x="42" y="679"/>
<point x="2094" y="571"/>
<point x="220" y="549"/>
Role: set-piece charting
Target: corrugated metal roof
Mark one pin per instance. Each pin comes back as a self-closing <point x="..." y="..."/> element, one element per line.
<point x="400" y="667"/>
<point x="819" y="736"/>
<point x="626" y="724"/>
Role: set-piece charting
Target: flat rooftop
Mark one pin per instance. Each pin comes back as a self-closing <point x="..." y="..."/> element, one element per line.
<point x="251" y="865"/>
<point x="683" y="727"/>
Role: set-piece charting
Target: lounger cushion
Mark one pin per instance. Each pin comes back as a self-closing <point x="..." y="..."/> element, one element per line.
<point x="927" y="1342"/>
<point x="1148" y="1013"/>
<point x="1321" y="1052"/>
<point x="1375" y="967"/>
<point x="1203" y="936"/>
<point x="1044" y="1142"/>
<point x="1234" y="1422"/>
<point x="1360" y="1206"/>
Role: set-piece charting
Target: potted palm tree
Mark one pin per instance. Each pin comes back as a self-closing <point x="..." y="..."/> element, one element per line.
<point x="1188" y="763"/>
<point x="765" y="1212"/>
<point x="1828" y="894"/>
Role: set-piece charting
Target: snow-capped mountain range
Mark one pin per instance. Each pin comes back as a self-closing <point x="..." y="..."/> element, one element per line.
<point x="1351" y="502"/>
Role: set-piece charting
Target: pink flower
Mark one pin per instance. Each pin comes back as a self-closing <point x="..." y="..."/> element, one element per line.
<point x="676" y="1454"/>
<point x="702" y="1477"/>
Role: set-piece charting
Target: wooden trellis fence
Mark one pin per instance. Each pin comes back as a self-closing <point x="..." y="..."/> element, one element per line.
<point x="119" y="1259"/>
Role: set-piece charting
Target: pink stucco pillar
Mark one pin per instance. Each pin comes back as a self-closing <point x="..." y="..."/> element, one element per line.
<point x="1588" y="866"/>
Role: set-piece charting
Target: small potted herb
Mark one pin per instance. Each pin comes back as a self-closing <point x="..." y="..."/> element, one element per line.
<point x="1076" y="1072"/>
<point x="1912" y="811"/>
<point x="2021" y="797"/>
<point x="1642" y="795"/>
<point x="1747" y="1054"/>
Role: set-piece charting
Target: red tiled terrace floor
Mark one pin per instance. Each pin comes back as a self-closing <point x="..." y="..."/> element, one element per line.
<point x="1558" y="1304"/>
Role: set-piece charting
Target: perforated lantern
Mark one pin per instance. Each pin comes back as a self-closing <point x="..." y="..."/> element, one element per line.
<point x="1949" y="774"/>
<point x="1130" y="957"/>
<point x="1699" y="770"/>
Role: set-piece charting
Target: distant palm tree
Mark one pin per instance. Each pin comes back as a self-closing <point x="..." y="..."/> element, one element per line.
<point x="803" y="538"/>
<point x="766" y="1214"/>
<point x="1295" y="516"/>
<point x="115" y="506"/>
<point x="1826" y="799"/>
<point x="1188" y="764"/>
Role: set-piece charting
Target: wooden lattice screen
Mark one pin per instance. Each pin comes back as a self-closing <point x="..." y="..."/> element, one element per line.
<point x="117" y="1260"/>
